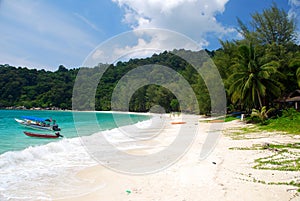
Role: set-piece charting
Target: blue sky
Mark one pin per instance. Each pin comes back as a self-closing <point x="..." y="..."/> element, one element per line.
<point x="44" y="34"/>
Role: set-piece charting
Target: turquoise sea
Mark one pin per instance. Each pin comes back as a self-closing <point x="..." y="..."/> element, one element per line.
<point x="31" y="168"/>
<point x="12" y="137"/>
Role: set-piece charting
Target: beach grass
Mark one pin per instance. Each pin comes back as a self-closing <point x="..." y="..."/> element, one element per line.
<point x="230" y="118"/>
<point x="285" y="157"/>
<point x="288" y="122"/>
<point x="284" y="124"/>
<point x="282" y="156"/>
<point x="243" y="133"/>
<point x="220" y="119"/>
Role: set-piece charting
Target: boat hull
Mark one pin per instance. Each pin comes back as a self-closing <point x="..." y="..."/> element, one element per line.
<point x="41" y="135"/>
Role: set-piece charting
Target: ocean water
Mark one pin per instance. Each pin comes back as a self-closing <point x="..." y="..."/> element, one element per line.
<point x="12" y="137"/>
<point x="28" y="163"/>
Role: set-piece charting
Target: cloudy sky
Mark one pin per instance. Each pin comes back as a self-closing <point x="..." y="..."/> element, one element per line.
<point x="44" y="34"/>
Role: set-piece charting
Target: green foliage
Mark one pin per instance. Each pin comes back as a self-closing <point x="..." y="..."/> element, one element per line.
<point x="298" y="76"/>
<point x="288" y="122"/>
<point x="262" y="115"/>
<point x="230" y="118"/>
<point x="148" y="96"/>
<point x="33" y="88"/>
<point x="263" y="65"/>
<point x="252" y="78"/>
<point x="40" y="88"/>
<point x="273" y="25"/>
<point x="256" y="70"/>
<point x="291" y="114"/>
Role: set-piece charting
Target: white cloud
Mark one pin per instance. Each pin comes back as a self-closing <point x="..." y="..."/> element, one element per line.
<point x="194" y="18"/>
<point x="139" y="43"/>
<point x="97" y="54"/>
<point x="294" y="12"/>
<point x="294" y="2"/>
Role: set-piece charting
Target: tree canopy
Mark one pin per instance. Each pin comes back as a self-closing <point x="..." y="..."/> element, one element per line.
<point x="262" y="66"/>
<point x="273" y="25"/>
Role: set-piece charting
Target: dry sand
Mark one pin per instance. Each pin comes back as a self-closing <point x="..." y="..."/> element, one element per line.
<point x="225" y="174"/>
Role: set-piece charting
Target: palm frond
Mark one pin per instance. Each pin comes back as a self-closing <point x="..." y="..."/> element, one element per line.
<point x="298" y="76"/>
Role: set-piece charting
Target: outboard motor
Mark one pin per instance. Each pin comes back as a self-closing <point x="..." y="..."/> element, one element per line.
<point x="56" y="128"/>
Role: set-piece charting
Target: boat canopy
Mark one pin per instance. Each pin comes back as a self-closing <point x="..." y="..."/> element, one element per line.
<point x="39" y="119"/>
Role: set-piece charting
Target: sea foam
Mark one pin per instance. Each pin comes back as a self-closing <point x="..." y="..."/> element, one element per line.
<point x="40" y="167"/>
<point x="35" y="172"/>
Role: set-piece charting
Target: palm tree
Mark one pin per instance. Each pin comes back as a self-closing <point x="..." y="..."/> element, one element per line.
<point x="263" y="114"/>
<point x="295" y="65"/>
<point x="298" y="76"/>
<point x="252" y="78"/>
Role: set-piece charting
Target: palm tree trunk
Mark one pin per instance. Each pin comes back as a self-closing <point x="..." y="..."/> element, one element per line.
<point x="259" y="99"/>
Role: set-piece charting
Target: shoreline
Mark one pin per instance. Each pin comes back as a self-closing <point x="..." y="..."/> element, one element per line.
<point x="41" y="167"/>
<point x="72" y="114"/>
<point x="224" y="175"/>
<point x="67" y="110"/>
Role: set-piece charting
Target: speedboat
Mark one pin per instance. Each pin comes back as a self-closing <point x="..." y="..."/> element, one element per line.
<point x="38" y="123"/>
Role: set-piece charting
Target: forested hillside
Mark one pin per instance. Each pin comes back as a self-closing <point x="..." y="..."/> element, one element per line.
<point x="40" y="88"/>
<point x="36" y="88"/>
<point x="261" y="67"/>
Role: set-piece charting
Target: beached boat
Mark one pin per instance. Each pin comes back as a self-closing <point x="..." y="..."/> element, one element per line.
<point x="38" y="123"/>
<point x="178" y="122"/>
<point x="43" y="135"/>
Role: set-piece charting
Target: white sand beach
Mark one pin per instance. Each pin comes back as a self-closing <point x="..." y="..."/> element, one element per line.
<point x="226" y="174"/>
